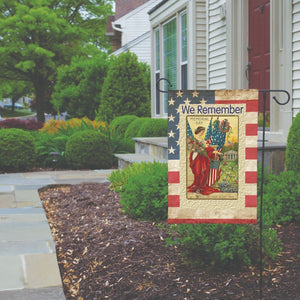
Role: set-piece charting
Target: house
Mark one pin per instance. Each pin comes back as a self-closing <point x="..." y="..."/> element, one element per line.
<point x="219" y="44"/>
<point x="129" y="28"/>
<point x="226" y="44"/>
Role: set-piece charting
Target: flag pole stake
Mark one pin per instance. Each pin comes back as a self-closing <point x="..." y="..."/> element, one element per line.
<point x="262" y="182"/>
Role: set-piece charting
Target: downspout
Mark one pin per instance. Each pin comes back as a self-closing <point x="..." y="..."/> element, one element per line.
<point x="119" y="29"/>
<point x="114" y="27"/>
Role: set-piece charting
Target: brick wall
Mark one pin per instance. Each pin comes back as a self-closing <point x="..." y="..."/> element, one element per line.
<point x="123" y="7"/>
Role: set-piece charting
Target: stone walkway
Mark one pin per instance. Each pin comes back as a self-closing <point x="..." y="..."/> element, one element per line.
<point x="28" y="265"/>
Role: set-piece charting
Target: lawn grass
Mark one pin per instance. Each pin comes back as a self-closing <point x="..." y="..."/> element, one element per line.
<point x="7" y="113"/>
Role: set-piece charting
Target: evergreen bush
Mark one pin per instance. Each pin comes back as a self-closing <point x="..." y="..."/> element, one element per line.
<point x="89" y="149"/>
<point x="134" y="127"/>
<point x="17" y="150"/>
<point x="132" y="131"/>
<point x="145" y="193"/>
<point x="154" y="128"/>
<point x="120" y="124"/>
<point x="126" y="88"/>
<point x="293" y="146"/>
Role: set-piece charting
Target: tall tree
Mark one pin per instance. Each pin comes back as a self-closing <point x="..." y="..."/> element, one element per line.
<point x="37" y="36"/>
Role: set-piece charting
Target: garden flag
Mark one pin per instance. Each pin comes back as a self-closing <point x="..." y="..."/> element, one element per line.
<point x="212" y="156"/>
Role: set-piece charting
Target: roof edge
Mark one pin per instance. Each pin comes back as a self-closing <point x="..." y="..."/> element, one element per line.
<point x="157" y="6"/>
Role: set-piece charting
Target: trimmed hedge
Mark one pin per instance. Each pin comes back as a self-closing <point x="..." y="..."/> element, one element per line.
<point x="17" y="150"/>
<point x="120" y="124"/>
<point x="134" y="127"/>
<point x="154" y="128"/>
<point x="89" y="149"/>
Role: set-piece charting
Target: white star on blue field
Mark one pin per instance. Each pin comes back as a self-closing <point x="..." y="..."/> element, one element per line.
<point x="176" y="98"/>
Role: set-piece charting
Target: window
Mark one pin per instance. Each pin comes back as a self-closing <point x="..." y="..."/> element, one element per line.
<point x="170" y="58"/>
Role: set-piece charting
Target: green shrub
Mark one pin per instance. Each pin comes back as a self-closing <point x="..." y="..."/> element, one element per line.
<point x="145" y="192"/>
<point x="120" y="124"/>
<point x="17" y="150"/>
<point x="126" y="88"/>
<point x="281" y="198"/>
<point x="132" y="131"/>
<point x="293" y="146"/>
<point x="119" y="177"/>
<point x="222" y="245"/>
<point x="154" y="128"/>
<point x="134" y="127"/>
<point x="89" y="149"/>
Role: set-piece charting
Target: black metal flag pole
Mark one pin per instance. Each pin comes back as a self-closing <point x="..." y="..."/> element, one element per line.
<point x="262" y="179"/>
<point x="262" y="167"/>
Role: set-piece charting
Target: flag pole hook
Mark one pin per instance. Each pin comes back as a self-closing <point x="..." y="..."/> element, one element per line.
<point x="157" y="84"/>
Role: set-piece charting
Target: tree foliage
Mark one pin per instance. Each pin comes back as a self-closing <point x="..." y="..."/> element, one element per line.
<point x="79" y="85"/>
<point x="126" y="88"/>
<point x="37" y="36"/>
<point x="15" y="90"/>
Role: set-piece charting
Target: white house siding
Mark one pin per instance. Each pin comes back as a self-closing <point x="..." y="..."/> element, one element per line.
<point x="296" y="57"/>
<point x="200" y="45"/>
<point x="216" y="52"/>
<point x="140" y="46"/>
<point x="135" y="25"/>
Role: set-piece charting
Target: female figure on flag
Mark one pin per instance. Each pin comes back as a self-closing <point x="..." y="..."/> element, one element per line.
<point x="199" y="159"/>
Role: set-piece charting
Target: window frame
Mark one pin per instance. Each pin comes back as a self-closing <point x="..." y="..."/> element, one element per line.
<point x="161" y="107"/>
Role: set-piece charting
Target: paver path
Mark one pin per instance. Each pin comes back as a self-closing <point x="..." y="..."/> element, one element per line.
<point x="28" y="265"/>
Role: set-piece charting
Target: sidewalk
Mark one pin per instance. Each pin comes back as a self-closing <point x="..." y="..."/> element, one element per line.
<point x="28" y="265"/>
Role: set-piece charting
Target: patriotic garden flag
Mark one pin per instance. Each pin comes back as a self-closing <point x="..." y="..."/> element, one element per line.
<point x="212" y="156"/>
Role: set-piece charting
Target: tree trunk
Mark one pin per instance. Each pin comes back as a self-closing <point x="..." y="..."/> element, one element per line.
<point x="40" y="92"/>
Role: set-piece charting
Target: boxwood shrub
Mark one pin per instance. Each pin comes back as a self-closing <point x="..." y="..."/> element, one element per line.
<point x="120" y="124"/>
<point x="154" y="128"/>
<point x="17" y="150"/>
<point x="89" y="149"/>
<point x="145" y="193"/>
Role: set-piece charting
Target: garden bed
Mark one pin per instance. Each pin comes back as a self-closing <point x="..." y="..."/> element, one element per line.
<point x="103" y="254"/>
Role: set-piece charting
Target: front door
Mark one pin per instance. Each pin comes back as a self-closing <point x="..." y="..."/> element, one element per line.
<point x="259" y="48"/>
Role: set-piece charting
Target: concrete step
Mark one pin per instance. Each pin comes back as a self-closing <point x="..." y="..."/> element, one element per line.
<point x="124" y="160"/>
<point x="155" y="146"/>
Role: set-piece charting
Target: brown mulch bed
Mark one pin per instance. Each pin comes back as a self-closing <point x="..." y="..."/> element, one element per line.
<point x="103" y="254"/>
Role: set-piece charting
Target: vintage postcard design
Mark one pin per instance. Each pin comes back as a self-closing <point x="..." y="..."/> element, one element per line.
<point x="212" y="156"/>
